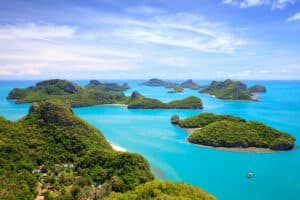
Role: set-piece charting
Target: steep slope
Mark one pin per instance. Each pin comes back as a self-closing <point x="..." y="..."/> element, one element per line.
<point x="49" y="138"/>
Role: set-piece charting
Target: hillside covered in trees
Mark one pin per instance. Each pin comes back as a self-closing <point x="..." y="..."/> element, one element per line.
<point x="230" y="131"/>
<point x="234" y="90"/>
<point x="94" y="93"/>
<point x="53" y="153"/>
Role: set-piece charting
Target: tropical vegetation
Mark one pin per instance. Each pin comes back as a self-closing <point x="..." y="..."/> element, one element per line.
<point x="234" y="90"/>
<point x="230" y="131"/>
<point x="53" y="153"/>
<point x="163" y="190"/>
<point x="95" y="93"/>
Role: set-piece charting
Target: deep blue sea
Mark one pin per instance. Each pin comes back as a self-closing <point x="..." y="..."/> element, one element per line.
<point x="222" y="173"/>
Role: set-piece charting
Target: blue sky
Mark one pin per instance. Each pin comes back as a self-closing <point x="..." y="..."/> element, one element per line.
<point x="170" y="39"/>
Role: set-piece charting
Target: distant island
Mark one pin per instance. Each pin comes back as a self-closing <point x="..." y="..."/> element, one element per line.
<point x="51" y="153"/>
<point x="95" y="93"/>
<point x="139" y="101"/>
<point x="233" y="132"/>
<point x="177" y="88"/>
<point x="234" y="90"/>
<point x="107" y="87"/>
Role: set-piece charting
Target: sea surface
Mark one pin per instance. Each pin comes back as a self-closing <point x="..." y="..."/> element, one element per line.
<point x="222" y="173"/>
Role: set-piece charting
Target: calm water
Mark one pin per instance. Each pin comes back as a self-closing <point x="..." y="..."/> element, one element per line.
<point x="149" y="132"/>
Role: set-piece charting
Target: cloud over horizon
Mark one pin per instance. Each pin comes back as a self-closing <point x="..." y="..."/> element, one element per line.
<point x="140" y="40"/>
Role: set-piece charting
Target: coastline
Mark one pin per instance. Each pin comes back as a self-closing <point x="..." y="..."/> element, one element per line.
<point x="239" y="100"/>
<point x="117" y="148"/>
<point x="232" y="149"/>
<point x="114" y="104"/>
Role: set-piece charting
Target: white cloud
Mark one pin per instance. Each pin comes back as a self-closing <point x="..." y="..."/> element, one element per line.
<point x="178" y="30"/>
<point x="144" y="10"/>
<point x="5" y="73"/>
<point x="35" y="31"/>
<point x="294" y="17"/>
<point x="175" y="61"/>
<point x="241" y="74"/>
<point x="274" y="4"/>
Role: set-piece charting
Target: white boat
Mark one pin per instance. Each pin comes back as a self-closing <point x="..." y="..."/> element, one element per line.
<point x="250" y="175"/>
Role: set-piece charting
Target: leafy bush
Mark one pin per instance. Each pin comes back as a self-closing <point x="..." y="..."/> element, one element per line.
<point x="156" y="190"/>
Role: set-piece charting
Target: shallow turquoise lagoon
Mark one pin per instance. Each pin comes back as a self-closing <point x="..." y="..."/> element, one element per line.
<point x="223" y="173"/>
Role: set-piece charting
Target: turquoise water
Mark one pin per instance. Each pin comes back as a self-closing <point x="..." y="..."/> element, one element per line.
<point x="223" y="173"/>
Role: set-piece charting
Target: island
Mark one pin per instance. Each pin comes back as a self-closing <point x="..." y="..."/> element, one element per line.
<point x="190" y="84"/>
<point x="231" y="132"/>
<point x="234" y="90"/>
<point x="157" y="82"/>
<point x="94" y="93"/>
<point x="51" y="153"/>
<point x="107" y="87"/>
<point x="177" y="87"/>
<point x="257" y="89"/>
<point x="141" y="102"/>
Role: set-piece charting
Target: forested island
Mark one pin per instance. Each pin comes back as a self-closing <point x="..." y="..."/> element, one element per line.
<point x="234" y="90"/>
<point x="139" y="101"/>
<point x="177" y="87"/>
<point x="233" y="132"/>
<point x="95" y="93"/>
<point x="53" y="154"/>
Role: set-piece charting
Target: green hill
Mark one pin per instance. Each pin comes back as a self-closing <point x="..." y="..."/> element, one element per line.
<point x="230" y="131"/>
<point x="148" y="103"/>
<point x="163" y="190"/>
<point x="67" y="91"/>
<point x="95" y="93"/>
<point x="107" y="87"/>
<point x="190" y="84"/>
<point x="229" y="89"/>
<point x="53" y="153"/>
<point x="49" y="138"/>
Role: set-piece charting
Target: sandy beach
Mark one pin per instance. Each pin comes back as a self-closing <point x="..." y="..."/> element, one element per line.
<point x="117" y="148"/>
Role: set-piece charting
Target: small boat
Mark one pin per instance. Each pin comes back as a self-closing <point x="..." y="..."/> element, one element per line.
<point x="250" y="175"/>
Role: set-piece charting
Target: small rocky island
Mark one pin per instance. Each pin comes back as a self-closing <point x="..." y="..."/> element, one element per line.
<point x="95" y="93"/>
<point x="234" y="90"/>
<point x="231" y="132"/>
<point x="53" y="154"/>
<point x="177" y="87"/>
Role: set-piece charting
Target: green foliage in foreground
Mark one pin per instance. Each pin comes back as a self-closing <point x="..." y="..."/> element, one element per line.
<point x="163" y="190"/>
<point x="231" y="131"/>
<point x="51" y="135"/>
<point x="191" y="102"/>
<point x="95" y="93"/>
<point x="229" y="89"/>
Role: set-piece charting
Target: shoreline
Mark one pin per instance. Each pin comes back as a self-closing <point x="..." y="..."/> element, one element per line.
<point x="117" y="148"/>
<point x="232" y="149"/>
<point x="114" y="104"/>
<point x="238" y="100"/>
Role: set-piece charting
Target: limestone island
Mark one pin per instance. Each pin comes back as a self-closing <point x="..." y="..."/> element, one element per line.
<point x="53" y="154"/>
<point x="233" y="133"/>
<point x="95" y="93"/>
<point x="234" y="90"/>
<point x="177" y="87"/>
<point x="190" y="84"/>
